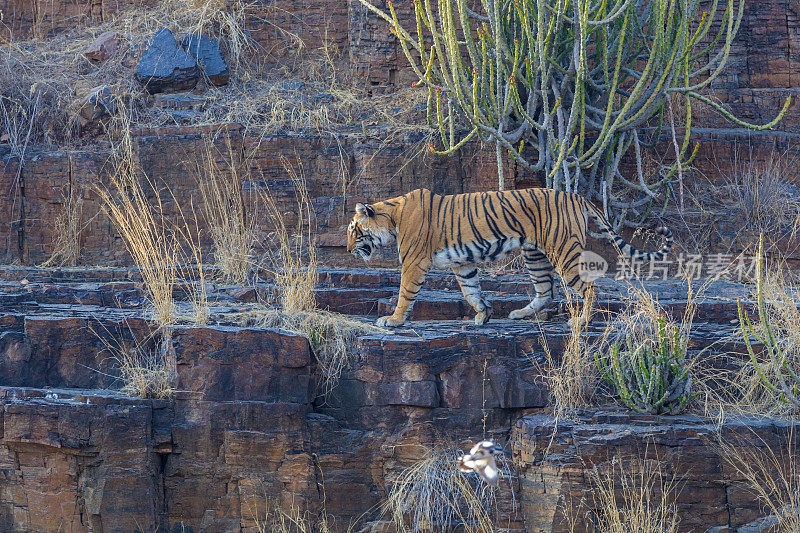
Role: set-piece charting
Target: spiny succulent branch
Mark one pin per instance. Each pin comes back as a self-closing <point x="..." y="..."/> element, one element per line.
<point x="650" y="377"/>
<point x="568" y="87"/>
<point x="778" y="372"/>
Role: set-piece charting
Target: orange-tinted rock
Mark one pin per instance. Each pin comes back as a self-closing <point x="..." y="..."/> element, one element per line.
<point x="555" y="459"/>
<point x="104" y="47"/>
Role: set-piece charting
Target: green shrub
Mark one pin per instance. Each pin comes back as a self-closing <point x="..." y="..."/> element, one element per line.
<point x="650" y="376"/>
<point x="778" y="330"/>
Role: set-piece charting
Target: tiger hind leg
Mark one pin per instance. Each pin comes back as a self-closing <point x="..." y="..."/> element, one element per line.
<point x="585" y="288"/>
<point x="470" y="284"/>
<point x="540" y="271"/>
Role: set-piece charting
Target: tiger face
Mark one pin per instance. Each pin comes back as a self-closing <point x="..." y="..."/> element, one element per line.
<point x="366" y="233"/>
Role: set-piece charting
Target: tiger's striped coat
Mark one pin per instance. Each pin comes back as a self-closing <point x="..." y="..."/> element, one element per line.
<point x="462" y="230"/>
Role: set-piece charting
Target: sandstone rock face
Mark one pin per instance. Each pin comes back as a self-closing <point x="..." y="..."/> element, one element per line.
<point x="556" y="457"/>
<point x="206" y="52"/>
<point x="164" y="153"/>
<point x="165" y="66"/>
<point x="84" y="464"/>
<point x="247" y="430"/>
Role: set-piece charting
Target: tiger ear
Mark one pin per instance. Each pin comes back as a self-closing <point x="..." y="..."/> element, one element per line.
<point x="365" y="210"/>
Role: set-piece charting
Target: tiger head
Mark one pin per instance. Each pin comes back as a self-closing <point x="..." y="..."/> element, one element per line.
<point x="369" y="229"/>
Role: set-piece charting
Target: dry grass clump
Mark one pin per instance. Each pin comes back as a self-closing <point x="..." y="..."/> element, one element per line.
<point x="434" y="495"/>
<point x="772" y="475"/>
<point x="292" y="263"/>
<point x="147" y="375"/>
<point x="278" y="520"/>
<point x="158" y="244"/>
<point x="636" y="497"/>
<point x="293" y="256"/>
<point x="572" y="380"/>
<point x="144" y="228"/>
<point x="146" y="369"/>
<point x="232" y="228"/>
<point x="755" y="196"/>
<point x="68" y="228"/>
<point x="763" y="196"/>
<point x="332" y="336"/>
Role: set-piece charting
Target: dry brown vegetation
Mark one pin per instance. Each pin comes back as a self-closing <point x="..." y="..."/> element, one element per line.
<point x="773" y="475"/>
<point x="43" y="81"/>
<point x="278" y="520"/>
<point x="147" y="375"/>
<point x="763" y="197"/>
<point x="291" y="261"/>
<point x="728" y="214"/>
<point x="750" y="384"/>
<point x="143" y="226"/>
<point x="157" y="244"/>
<point x="634" y="496"/>
<point x="572" y="380"/>
<point x="225" y="210"/>
<point x="291" y="254"/>
<point x="770" y="379"/>
<point x="68" y="227"/>
<point x="433" y="495"/>
<point x="147" y="368"/>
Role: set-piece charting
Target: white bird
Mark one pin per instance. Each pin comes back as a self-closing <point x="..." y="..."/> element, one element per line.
<point x="480" y="460"/>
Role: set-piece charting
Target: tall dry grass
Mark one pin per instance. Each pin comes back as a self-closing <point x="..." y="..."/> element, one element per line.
<point x="165" y="247"/>
<point x="634" y="496"/>
<point x="224" y="208"/>
<point x="278" y="520"/>
<point x="293" y="254"/>
<point x="764" y="198"/>
<point x="773" y="374"/>
<point x="143" y="226"/>
<point x="760" y="379"/>
<point x="572" y="378"/>
<point x="291" y="261"/>
<point x="68" y="229"/>
<point x="434" y="495"/>
<point x="772" y="475"/>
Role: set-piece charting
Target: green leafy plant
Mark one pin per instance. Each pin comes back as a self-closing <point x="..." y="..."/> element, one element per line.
<point x="651" y="376"/>
<point x="567" y="88"/>
<point x="779" y="365"/>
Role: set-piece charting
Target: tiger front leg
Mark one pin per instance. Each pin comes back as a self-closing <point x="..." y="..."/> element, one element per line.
<point x="411" y="279"/>
<point x="470" y="284"/>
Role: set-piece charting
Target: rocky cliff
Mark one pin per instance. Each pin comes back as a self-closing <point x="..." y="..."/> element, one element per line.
<point x="248" y="430"/>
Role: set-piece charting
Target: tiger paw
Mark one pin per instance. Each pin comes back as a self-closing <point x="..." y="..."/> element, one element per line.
<point x="388" y="322"/>
<point x="519" y="314"/>
<point x="484" y="316"/>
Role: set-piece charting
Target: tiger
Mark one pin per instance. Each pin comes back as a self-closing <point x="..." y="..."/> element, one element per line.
<point x="459" y="231"/>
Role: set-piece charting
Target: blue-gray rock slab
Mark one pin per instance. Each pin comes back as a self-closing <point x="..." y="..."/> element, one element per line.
<point x="207" y="53"/>
<point x="165" y="66"/>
